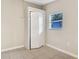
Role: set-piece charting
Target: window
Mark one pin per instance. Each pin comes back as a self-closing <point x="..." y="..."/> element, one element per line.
<point x="55" y="20"/>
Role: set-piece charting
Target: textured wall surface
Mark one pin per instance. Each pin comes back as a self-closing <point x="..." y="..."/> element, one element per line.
<point x="65" y="38"/>
<point x="12" y="23"/>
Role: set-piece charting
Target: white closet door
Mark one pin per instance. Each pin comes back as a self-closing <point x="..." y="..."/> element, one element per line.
<point x="37" y="29"/>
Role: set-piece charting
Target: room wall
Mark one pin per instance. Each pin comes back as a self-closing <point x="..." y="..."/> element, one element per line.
<point x="65" y="38"/>
<point x="12" y="24"/>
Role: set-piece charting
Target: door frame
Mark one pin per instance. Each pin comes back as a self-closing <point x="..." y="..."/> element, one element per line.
<point x="32" y="9"/>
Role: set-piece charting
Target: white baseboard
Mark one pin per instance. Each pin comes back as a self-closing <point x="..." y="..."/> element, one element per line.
<point x="8" y="49"/>
<point x="68" y="53"/>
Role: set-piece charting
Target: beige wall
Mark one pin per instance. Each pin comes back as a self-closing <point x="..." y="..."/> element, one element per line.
<point x="65" y="38"/>
<point x="13" y="21"/>
<point x="12" y="24"/>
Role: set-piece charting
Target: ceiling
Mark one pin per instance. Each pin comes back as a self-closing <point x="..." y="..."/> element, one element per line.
<point x="40" y="2"/>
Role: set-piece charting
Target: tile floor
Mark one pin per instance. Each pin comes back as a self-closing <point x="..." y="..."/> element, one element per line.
<point x="41" y="53"/>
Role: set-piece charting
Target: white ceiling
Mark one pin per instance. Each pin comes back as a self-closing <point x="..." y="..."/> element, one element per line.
<point x="40" y="2"/>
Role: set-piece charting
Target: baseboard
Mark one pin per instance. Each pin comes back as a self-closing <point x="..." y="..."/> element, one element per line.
<point x="68" y="53"/>
<point x="8" y="49"/>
